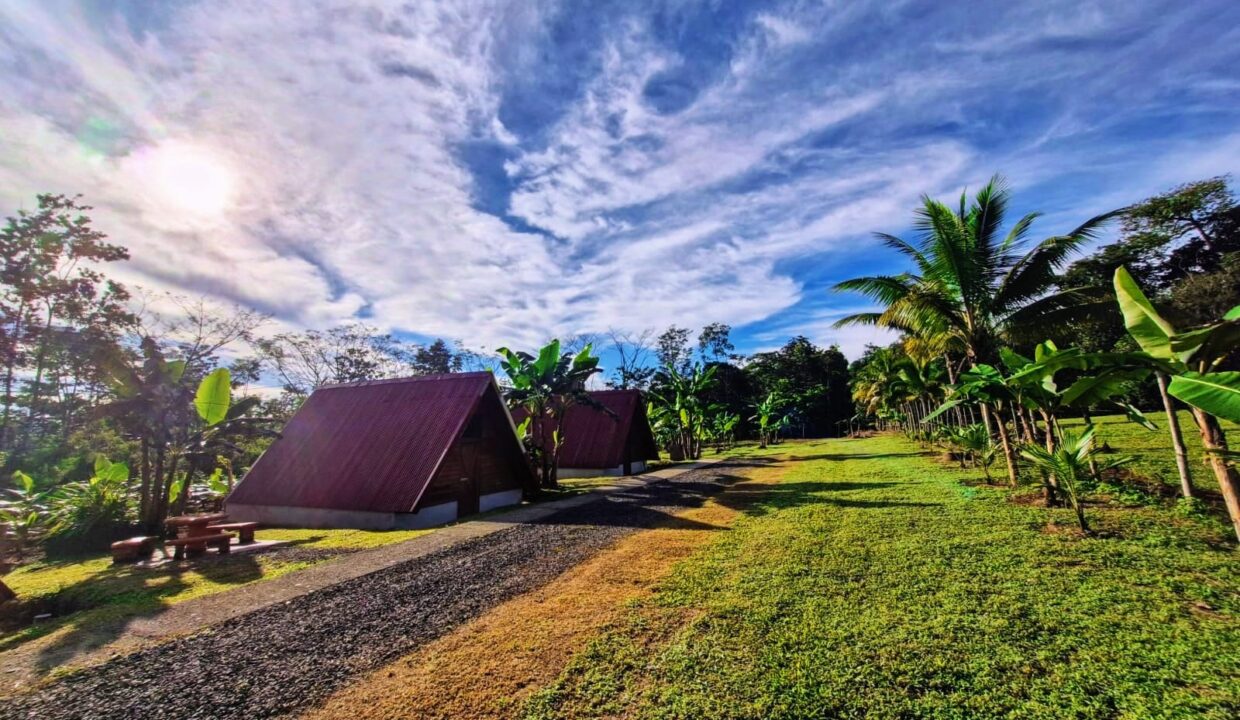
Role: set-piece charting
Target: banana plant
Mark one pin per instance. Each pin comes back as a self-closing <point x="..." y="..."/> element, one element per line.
<point x="985" y="385"/>
<point x="1191" y="360"/>
<point x="546" y="385"/>
<point x="683" y="393"/>
<point x="766" y="414"/>
<point x="88" y="509"/>
<point x="722" y="427"/>
<point x="24" y="511"/>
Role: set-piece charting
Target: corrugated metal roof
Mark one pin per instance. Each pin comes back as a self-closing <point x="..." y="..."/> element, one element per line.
<point x="594" y="439"/>
<point x="372" y="445"/>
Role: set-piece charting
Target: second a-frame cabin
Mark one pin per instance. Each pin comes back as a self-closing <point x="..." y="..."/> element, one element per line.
<point x="403" y="453"/>
<point x="616" y="440"/>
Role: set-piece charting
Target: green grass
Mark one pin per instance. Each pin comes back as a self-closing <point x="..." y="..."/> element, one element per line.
<point x="1151" y="449"/>
<point x="876" y="581"/>
<point x="89" y="592"/>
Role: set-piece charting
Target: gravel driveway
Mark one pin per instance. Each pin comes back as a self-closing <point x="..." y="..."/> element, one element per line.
<point x="284" y="658"/>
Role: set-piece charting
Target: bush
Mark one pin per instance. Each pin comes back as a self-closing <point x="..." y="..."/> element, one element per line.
<point x="90" y="514"/>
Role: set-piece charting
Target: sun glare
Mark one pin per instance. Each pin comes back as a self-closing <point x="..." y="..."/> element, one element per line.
<point x="189" y="178"/>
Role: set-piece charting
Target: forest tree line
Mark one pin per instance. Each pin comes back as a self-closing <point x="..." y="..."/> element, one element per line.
<point x="95" y="371"/>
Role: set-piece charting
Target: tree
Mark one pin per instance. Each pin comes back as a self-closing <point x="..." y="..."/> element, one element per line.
<point x="970" y="282"/>
<point x="348" y="353"/>
<point x="813" y="382"/>
<point x="175" y="421"/>
<point x="23" y="512"/>
<point x="634" y="352"/>
<point x="1191" y="360"/>
<point x="973" y="288"/>
<point x="1198" y="222"/>
<point x="49" y="290"/>
<point x="672" y="348"/>
<point x="766" y="414"/>
<point x="715" y="344"/>
<point x="198" y="328"/>
<point x="546" y="386"/>
<point x="1182" y="247"/>
<point x="436" y="359"/>
<point x="682" y="392"/>
<point x="1072" y="461"/>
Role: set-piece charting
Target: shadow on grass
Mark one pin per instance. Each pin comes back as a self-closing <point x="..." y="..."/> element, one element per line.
<point x="859" y="456"/>
<point x="764" y="499"/>
<point x="659" y="504"/>
<point x="102" y="606"/>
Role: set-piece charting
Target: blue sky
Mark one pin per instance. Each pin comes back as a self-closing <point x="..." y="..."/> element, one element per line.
<point x="500" y="173"/>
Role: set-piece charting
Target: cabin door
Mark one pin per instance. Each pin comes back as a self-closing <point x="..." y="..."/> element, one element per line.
<point x="467" y="492"/>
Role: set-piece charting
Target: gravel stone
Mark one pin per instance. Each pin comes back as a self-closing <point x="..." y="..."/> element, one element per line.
<point x="282" y="659"/>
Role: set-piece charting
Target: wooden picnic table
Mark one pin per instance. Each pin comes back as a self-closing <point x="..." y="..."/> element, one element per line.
<point x="188" y="528"/>
<point x="194" y="525"/>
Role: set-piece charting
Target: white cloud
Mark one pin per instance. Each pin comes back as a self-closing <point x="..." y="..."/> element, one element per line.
<point x="325" y="179"/>
<point x="782" y="30"/>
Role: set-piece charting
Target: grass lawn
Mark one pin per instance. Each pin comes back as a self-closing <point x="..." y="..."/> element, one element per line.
<point x="877" y="581"/>
<point x="1151" y="449"/>
<point x="88" y="591"/>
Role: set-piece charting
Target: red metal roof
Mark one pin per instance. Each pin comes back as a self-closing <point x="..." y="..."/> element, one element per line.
<point x="594" y="439"/>
<point x="372" y="445"/>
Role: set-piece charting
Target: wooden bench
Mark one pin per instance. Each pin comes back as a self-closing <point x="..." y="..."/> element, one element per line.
<point x="198" y="544"/>
<point x="133" y="549"/>
<point x="244" y="529"/>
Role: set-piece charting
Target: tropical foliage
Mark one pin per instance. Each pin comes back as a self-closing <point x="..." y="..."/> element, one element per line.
<point x="975" y="305"/>
<point x="545" y="386"/>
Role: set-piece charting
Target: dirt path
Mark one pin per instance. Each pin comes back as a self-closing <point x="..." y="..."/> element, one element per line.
<point x="294" y="654"/>
<point x="487" y="667"/>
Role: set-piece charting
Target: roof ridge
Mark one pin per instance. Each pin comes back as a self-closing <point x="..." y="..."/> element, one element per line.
<point x="408" y="379"/>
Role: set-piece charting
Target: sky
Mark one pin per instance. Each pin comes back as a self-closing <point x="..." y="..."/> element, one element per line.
<point x="501" y="173"/>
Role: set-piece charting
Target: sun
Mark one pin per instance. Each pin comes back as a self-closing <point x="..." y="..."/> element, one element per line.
<point x="188" y="178"/>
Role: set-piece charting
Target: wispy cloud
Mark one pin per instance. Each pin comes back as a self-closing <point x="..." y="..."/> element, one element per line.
<point x="501" y="172"/>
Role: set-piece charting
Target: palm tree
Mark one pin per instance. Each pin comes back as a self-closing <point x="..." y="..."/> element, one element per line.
<point x="973" y="287"/>
<point x="1072" y="462"/>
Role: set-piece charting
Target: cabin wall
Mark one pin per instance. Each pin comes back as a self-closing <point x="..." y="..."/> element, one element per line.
<point x="478" y="472"/>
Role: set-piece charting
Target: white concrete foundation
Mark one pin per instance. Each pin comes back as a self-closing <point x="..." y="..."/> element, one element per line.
<point x="639" y="467"/>
<point x="303" y="517"/>
<point x="498" y="500"/>
<point x="427" y="517"/>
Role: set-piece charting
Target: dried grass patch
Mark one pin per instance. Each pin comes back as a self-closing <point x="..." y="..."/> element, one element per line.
<point x="487" y="667"/>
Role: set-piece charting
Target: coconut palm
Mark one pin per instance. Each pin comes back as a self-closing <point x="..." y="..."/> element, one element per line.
<point x="972" y="287"/>
<point x="1073" y="461"/>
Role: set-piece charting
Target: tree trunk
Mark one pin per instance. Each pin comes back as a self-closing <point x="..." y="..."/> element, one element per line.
<point x="36" y="389"/>
<point x="9" y="373"/>
<point x="151" y="519"/>
<point x="1009" y="453"/>
<point x="1052" y="485"/>
<point x="1093" y="463"/>
<point x="144" y="473"/>
<point x="1177" y="437"/>
<point x="166" y="490"/>
<point x="988" y="422"/>
<point x="1212" y="438"/>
